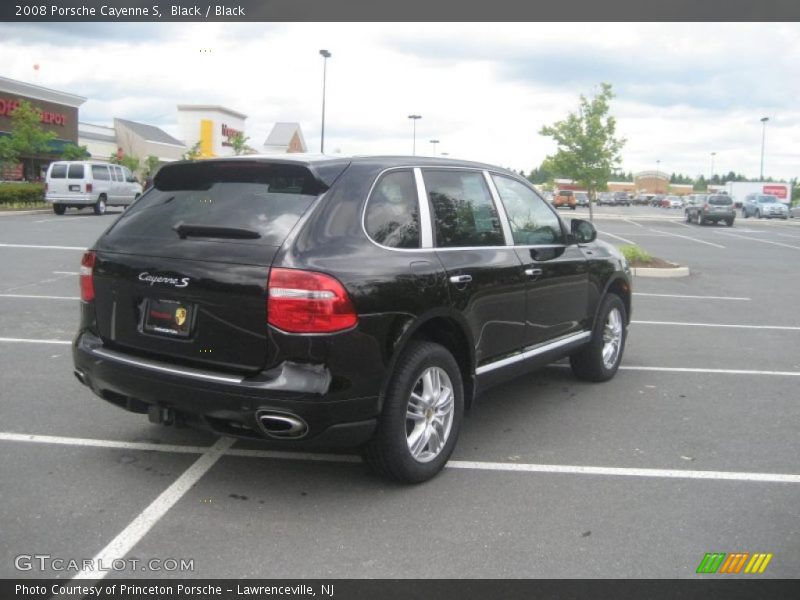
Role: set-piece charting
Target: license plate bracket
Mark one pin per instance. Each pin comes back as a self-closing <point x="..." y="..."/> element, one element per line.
<point x="168" y="317"/>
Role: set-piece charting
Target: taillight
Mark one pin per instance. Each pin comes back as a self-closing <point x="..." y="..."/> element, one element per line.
<point x="88" y="187"/>
<point x="87" y="276"/>
<point x="308" y="302"/>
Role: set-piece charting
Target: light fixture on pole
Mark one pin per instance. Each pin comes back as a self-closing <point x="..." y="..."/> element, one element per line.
<point x="433" y="143"/>
<point x="763" y="139"/>
<point x="325" y="56"/>
<point x="414" y="119"/>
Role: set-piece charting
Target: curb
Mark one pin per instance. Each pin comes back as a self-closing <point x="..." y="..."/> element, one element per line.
<point x="8" y="213"/>
<point x="663" y="273"/>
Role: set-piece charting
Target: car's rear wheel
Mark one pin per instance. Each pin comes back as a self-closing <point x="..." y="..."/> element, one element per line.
<point x="700" y="219"/>
<point x="729" y="222"/>
<point x="688" y="217"/>
<point x="59" y="209"/>
<point x="758" y="214"/>
<point x="421" y="417"/>
<point x="100" y="206"/>
<point x="600" y="358"/>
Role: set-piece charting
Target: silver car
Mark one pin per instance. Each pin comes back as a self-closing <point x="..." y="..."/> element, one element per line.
<point x="764" y="206"/>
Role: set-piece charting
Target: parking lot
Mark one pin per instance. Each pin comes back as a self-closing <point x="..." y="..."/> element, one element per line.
<point x="692" y="448"/>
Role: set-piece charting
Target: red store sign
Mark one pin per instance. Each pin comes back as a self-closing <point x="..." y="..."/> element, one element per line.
<point x="779" y="191"/>
<point x="8" y="106"/>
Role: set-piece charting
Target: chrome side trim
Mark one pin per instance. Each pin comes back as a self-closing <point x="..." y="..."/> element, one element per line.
<point x="500" y="208"/>
<point x="536" y="351"/>
<point x="425" y="221"/>
<point x="154" y="366"/>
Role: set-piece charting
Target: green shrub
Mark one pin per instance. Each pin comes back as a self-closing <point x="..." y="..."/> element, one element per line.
<point x="635" y="254"/>
<point x="25" y="193"/>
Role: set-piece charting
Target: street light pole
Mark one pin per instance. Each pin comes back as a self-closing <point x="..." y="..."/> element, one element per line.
<point x="325" y="56"/>
<point x="414" y="119"/>
<point x="658" y="175"/>
<point x="713" y="154"/>
<point x="434" y="142"/>
<point x="763" y="139"/>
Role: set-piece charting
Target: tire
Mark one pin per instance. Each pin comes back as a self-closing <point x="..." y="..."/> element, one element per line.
<point x="744" y="214"/>
<point x="573" y="207"/>
<point x="729" y="222"/>
<point x="700" y="219"/>
<point x="59" y="209"/>
<point x="100" y="206"/>
<point x="389" y="451"/>
<point x="688" y="217"/>
<point x="758" y="214"/>
<point x="589" y="363"/>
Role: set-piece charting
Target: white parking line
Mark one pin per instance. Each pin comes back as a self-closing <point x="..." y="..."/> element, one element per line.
<point x="722" y="371"/>
<point x="617" y="236"/>
<point x="94" y="443"/>
<point x="692" y="297"/>
<point x="686" y="237"/>
<point x="39" y="297"/>
<point x="632" y="222"/>
<point x="66" y="273"/>
<point x="744" y="237"/>
<point x="731" y="325"/>
<point x="138" y="528"/>
<point x="29" y="341"/>
<point x="82" y="249"/>
<point x="210" y="455"/>
<point x="63" y="220"/>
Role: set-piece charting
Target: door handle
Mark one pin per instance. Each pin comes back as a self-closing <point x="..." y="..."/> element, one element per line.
<point x="533" y="272"/>
<point x="460" y="278"/>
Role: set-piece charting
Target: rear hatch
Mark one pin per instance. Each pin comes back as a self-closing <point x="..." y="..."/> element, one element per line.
<point x="182" y="275"/>
<point x="66" y="178"/>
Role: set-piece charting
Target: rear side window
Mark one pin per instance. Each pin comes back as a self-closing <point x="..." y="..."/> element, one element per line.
<point x="464" y="212"/>
<point x="392" y="217"/>
<point x="261" y="197"/>
<point x="720" y="200"/>
<point x="58" y="172"/>
<point x="100" y="172"/>
<point x="531" y="219"/>
<point x="116" y="173"/>
<point x="75" y="172"/>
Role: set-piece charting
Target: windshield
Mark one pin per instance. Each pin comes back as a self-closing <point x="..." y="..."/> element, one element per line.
<point x="767" y="199"/>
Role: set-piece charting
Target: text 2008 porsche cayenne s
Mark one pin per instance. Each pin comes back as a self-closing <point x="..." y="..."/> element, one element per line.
<point x="341" y="302"/>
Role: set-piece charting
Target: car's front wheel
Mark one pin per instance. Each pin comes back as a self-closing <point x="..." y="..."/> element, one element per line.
<point x="59" y="209"/>
<point x="421" y="417"/>
<point x="600" y="358"/>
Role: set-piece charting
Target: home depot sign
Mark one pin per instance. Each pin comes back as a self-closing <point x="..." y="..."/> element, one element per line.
<point x="9" y="105"/>
<point x="58" y="118"/>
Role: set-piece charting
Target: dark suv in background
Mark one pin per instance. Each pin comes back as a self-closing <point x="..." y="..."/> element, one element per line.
<point x="329" y="302"/>
<point x="710" y="209"/>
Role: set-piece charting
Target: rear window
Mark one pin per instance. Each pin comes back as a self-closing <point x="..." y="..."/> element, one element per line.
<point x="565" y="193"/>
<point x="58" y="172"/>
<point x="266" y="198"/>
<point x="100" y="172"/>
<point x="720" y="200"/>
<point x="75" y="172"/>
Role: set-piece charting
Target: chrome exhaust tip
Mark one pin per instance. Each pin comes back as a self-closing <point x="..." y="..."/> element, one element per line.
<point x="281" y="425"/>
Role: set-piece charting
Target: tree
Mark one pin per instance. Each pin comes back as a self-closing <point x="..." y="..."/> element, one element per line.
<point x="74" y="152"/>
<point x="700" y="184"/>
<point x="151" y="165"/>
<point x="238" y="142"/>
<point x="193" y="153"/>
<point x="588" y="149"/>
<point x="127" y="160"/>
<point x="27" y="136"/>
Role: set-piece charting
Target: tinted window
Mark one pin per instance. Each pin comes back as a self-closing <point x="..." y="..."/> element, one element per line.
<point x="75" y="172"/>
<point x="127" y="175"/>
<point x="58" y="171"/>
<point x="266" y="198"/>
<point x="464" y="212"/>
<point x="100" y="172"/>
<point x="532" y="221"/>
<point x="719" y="200"/>
<point x="392" y="217"/>
<point x="767" y="199"/>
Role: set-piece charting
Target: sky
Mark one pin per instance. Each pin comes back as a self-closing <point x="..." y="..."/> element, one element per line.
<point x="683" y="90"/>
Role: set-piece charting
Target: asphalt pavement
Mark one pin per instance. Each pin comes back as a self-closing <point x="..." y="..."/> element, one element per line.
<point x="691" y="448"/>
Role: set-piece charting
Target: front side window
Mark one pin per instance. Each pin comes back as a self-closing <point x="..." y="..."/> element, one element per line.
<point x="531" y="220"/>
<point x="392" y="217"/>
<point x="464" y="212"/>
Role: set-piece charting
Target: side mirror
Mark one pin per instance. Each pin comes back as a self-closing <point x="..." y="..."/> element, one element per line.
<point x="582" y="231"/>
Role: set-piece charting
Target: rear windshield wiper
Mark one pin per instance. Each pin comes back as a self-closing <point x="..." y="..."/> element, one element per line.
<point x="185" y="230"/>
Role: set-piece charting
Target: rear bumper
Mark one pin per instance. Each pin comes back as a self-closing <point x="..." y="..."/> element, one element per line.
<point x="70" y="199"/>
<point x="223" y="403"/>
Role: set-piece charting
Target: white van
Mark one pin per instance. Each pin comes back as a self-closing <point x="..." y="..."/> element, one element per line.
<point x="83" y="183"/>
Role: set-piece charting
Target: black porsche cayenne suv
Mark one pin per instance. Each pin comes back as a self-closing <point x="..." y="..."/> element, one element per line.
<point x="328" y="302"/>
